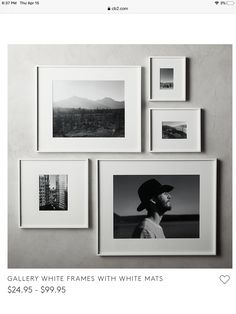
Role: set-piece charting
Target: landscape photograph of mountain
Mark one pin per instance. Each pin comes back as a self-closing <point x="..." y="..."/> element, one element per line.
<point x="174" y="130"/>
<point x="88" y="108"/>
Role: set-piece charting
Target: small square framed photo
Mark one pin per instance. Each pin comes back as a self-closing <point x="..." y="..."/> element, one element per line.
<point x="53" y="193"/>
<point x="88" y="108"/>
<point x="156" y="207"/>
<point x="167" y="78"/>
<point x="175" y="130"/>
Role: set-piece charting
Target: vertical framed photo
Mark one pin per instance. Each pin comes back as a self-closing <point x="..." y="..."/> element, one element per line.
<point x="167" y="78"/>
<point x="53" y="193"/>
<point x="88" y="109"/>
<point x="156" y="207"/>
<point x="175" y="130"/>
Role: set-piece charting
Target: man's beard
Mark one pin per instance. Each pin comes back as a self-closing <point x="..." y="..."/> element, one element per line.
<point x="164" y="208"/>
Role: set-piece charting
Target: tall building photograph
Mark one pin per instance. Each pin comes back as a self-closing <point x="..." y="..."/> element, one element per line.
<point x="53" y="192"/>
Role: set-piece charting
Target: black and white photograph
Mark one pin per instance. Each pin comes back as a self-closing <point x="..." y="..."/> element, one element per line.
<point x="166" y="78"/>
<point x="156" y="207"/>
<point x="53" y="192"/>
<point x="174" y="130"/>
<point x="88" y="108"/>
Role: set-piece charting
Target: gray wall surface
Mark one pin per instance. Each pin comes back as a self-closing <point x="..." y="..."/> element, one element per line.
<point x="209" y="86"/>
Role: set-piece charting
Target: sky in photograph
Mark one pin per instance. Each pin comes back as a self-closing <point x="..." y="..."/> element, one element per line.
<point x="184" y="196"/>
<point x="52" y="181"/>
<point x="93" y="90"/>
<point x="166" y="75"/>
<point x="174" y="124"/>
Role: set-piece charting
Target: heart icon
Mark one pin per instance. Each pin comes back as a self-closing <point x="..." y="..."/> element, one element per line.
<point x="224" y="278"/>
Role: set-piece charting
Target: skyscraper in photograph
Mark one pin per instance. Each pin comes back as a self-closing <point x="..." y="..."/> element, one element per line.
<point x="44" y="190"/>
<point x="61" y="191"/>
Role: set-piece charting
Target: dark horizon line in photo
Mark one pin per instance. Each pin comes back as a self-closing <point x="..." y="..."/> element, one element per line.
<point x="166" y="217"/>
<point x="174" y="226"/>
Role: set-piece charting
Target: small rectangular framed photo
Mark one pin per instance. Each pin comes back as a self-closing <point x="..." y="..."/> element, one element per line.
<point x="175" y="130"/>
<point x="167" y="78"/>
<point x="156" y="207"/>
<point x="88" y="108"/>
<point x="53" y="193"/>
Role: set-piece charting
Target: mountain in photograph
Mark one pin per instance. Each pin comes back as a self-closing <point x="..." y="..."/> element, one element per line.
<point x="178" y="131"/>
<point x="76" y="102"/>
<point x="82" y="117"/>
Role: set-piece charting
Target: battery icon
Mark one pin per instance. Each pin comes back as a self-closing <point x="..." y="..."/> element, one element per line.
<point x="230" y="2"/>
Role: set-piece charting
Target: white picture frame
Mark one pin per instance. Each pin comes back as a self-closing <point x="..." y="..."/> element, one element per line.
<point x="107" y="172"/>
<point x="167" y="77"/>
<point x="53" y="193"/>
<point x="48" y="76"/>
<point x="175" y="130"/>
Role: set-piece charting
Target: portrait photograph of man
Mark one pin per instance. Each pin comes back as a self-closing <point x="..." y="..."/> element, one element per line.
<point x="156" y="207"/>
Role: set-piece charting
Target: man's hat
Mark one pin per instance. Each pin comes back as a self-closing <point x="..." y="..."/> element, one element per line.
<point x="149" y="189"/>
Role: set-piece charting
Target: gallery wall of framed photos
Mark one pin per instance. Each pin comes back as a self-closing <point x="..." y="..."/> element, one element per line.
<point x="94" y="128"/>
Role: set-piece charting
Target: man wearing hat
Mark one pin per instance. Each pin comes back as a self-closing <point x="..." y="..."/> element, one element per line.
<point x="155" y="198"/>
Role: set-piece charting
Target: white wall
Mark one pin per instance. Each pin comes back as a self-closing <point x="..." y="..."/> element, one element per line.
<point x="209" y="87"/>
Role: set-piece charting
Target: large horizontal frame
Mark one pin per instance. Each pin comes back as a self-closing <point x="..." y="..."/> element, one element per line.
<point x="124" y="245"/>
<point x="91" y="147"/>
<point x="86" y="187"/>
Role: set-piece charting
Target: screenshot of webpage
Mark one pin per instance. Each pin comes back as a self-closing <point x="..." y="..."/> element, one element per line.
<point x="116" y="134"/>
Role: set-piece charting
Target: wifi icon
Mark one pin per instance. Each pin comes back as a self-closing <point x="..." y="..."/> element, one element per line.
<point x="217" y="2"/>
